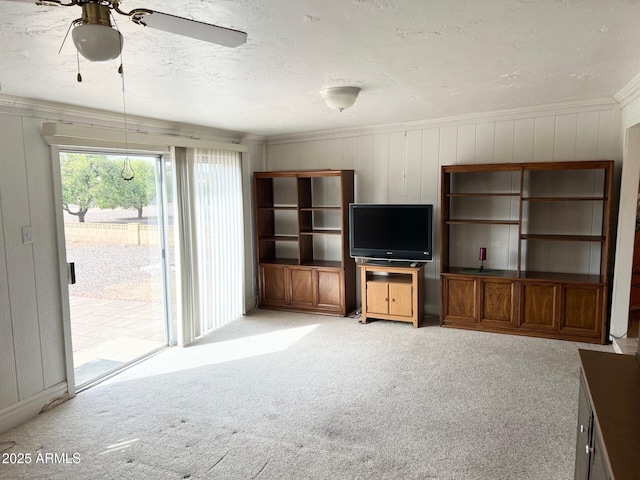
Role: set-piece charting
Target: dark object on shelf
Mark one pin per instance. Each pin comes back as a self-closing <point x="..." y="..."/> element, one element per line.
<point x="482" y="256"/>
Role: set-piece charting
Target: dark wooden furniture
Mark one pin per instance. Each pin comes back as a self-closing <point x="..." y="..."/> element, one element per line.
<point x="634" y="296"/>
<point x="302" y="241"/>
<point x="548" y="224"/>
<point x="392" y="292"/>
<point x="608" y="438"/>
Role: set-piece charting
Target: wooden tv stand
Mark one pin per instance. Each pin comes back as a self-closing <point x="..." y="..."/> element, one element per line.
<point x="392" y="292"/>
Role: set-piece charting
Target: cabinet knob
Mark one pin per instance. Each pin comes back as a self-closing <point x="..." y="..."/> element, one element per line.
<point x="589" y="450"/>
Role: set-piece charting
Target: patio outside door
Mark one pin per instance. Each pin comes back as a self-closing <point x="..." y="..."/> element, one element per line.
<point x="117" y="230"/>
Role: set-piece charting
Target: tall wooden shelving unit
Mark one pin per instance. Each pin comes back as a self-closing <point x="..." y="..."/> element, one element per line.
<point x="302" y="240"/>
<point x="549" y="224"/>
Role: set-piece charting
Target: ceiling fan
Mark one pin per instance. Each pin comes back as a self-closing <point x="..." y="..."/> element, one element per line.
<point x="97" y="40"/>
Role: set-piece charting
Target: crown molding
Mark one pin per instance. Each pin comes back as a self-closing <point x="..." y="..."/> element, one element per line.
<point x="629" y="92"/>
<point x="603" y="103"/>
<point x="251" y="137"/>
<point x="90" y="116"/>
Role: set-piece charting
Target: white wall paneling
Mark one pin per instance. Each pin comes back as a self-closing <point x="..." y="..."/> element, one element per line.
<point x="523" y="135"/>
<point x="587" y="132"/>
<point x="403" y="166"/>
<point x="504" y="141"/>
<point x="334" y="154"/>
<point x="485" y="143"/>
<point x="45" y="251"/>
<point x="466" y="144"/>
<point x="413" y="167"/>
<point x="364" y="167"/>
<point x="20" y="263"/>
<point x="544" y="130"/>
<point x="8" y="380"/>
<point x="564" y="149"/>
<point x="448" y="146"/>
<point x="252" y="161"/>
<point x="380" y="164"/>
<point x="395" y="170"/>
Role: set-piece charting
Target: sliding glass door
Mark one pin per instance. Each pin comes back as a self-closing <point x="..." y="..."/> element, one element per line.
<point x="118" y="224"/>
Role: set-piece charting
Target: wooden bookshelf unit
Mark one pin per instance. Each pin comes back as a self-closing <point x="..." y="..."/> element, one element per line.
<point x="546" y="227"/>
<point x="392" y="292"/>
<point x="302" y="241"/>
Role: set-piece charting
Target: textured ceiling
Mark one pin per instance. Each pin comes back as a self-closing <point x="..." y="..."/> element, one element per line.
<point x="414" y="60"/>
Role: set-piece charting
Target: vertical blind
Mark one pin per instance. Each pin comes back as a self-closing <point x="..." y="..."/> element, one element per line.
<point x="212" y="240"/>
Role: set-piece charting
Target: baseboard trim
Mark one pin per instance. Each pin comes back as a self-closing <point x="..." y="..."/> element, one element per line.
<point x="22" y="411"/>
<point x="625" y="346"/>
<point x="251" y="303"/>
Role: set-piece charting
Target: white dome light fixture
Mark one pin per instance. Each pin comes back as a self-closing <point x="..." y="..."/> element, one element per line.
<point x="97" y="43"/>
<point x="94" y="36"/>
<point x="340" y="98"/>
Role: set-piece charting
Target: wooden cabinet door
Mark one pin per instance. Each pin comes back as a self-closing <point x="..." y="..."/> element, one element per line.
<point x="581" y="310"/>
<point x="539" y="309"/>
<point x="302" y="291"/>
<point x="598" y="469"/>
<point x="330" y="288"/>
<point x="273" y="285"/>
<point x="498" y="302"/>
<point x="460" y="300"/>
<point x="377" y="297"/>
<point x="583" y="439"/>
<point x="400" y="299"/>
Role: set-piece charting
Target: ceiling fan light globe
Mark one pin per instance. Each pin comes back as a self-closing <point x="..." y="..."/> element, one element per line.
<point x="97" y="43"/>
<point x="340" y="98"/>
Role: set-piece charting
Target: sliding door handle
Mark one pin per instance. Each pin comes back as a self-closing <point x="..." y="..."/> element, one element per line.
<point x="71" y="273"/>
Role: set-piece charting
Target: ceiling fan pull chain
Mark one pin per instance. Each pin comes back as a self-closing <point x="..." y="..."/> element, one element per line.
<point x="127" y="172"/>
<point x="67" y="34"/>
<point x="79" y="76"/>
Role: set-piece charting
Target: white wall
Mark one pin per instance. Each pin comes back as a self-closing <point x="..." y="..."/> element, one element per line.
<point x="32" y="354"/>
<point x="30" y="314"/>
<point x="253" y="161"/>
<point x="630" y="137"/>
<point x="402" y="164"/>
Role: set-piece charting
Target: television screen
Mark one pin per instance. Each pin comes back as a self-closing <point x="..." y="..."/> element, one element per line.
<point x="391" y="232"/>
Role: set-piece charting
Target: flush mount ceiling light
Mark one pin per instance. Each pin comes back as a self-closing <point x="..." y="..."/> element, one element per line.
<point x="340" y="98"/>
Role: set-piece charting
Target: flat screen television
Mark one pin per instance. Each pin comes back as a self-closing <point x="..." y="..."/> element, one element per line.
<point x="391" y="231"/>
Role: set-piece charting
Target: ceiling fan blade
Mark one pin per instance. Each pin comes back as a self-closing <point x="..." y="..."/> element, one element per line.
<point x="46" y="3"/>
<point x="191" y="28"/>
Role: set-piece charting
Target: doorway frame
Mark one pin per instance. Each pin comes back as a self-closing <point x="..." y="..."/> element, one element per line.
<point x="62" y="256"/>
<point x="627" y="208"/>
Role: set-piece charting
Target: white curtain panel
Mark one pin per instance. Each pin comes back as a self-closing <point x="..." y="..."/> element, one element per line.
<point x="211" y="238"/>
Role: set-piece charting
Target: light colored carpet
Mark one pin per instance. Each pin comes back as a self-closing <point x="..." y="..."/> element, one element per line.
<point x="286" y="396"/>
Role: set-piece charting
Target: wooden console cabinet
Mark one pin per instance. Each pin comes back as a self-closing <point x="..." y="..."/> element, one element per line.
<point x="392" y="292"/>
<point x="302" y="241"/>
<point x="546" y="227"/>
<point x="608" y="436"/>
